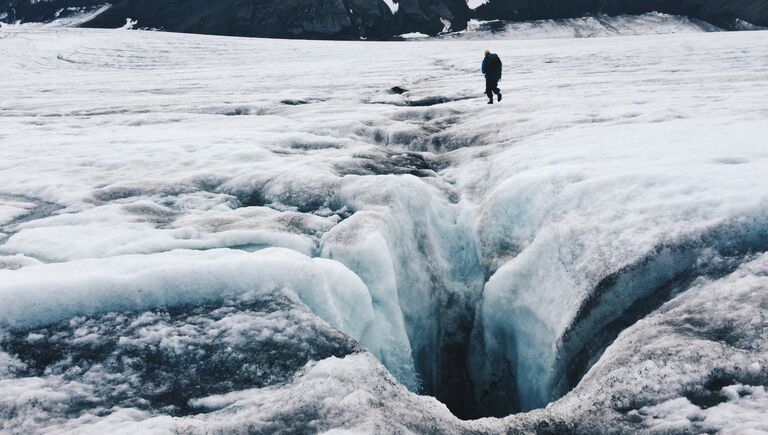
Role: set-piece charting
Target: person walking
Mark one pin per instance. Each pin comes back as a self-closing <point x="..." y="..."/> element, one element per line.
<point x="492" y="69"/>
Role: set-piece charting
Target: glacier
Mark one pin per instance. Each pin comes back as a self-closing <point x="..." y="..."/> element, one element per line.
<point x="212" y="234"/>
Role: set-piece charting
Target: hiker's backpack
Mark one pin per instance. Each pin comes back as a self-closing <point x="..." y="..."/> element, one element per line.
<point x="493" y="65"/>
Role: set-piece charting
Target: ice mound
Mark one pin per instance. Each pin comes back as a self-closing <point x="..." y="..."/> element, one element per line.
<point x="41" y="294"/>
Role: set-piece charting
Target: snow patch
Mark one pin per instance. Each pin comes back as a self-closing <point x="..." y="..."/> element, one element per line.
<point x="446" y="24"/>
<point x="68" y="17"/>
<point x="474" y="4"/>
<point x="414" y="35"/>
<point x="129" y="24"/>
<point x="392" y="5"/>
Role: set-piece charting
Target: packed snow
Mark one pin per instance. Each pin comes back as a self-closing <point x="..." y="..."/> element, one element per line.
<point x="206" y="234"/>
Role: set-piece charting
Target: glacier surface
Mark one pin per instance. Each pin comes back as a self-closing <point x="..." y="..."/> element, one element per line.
<point x="590" y="26"/>
<point x="205" y="234"/>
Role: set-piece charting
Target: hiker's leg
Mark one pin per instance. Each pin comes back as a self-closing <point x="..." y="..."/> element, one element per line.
<point x="496" y="90"/>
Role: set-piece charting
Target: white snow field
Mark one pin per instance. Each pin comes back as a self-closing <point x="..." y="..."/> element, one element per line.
<point x="220" y="235"/>
<point x="653" y="23"/>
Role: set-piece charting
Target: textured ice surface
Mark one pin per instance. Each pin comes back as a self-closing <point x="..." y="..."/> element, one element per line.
<point x="159" y="360"/>
<point x="202" y="234"/>
<point x="585" y="27"/>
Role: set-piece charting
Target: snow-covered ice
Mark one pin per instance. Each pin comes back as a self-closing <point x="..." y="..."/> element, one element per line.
<point x="207" y="234"/>
<point x="585" y="27"/>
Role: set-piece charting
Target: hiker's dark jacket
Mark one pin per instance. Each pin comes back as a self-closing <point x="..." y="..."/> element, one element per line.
<point x="492" y="66"/>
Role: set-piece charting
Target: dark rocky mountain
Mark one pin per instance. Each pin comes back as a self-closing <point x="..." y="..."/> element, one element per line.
<point x="353" y="19"/>
<point x="332" y="19"/>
